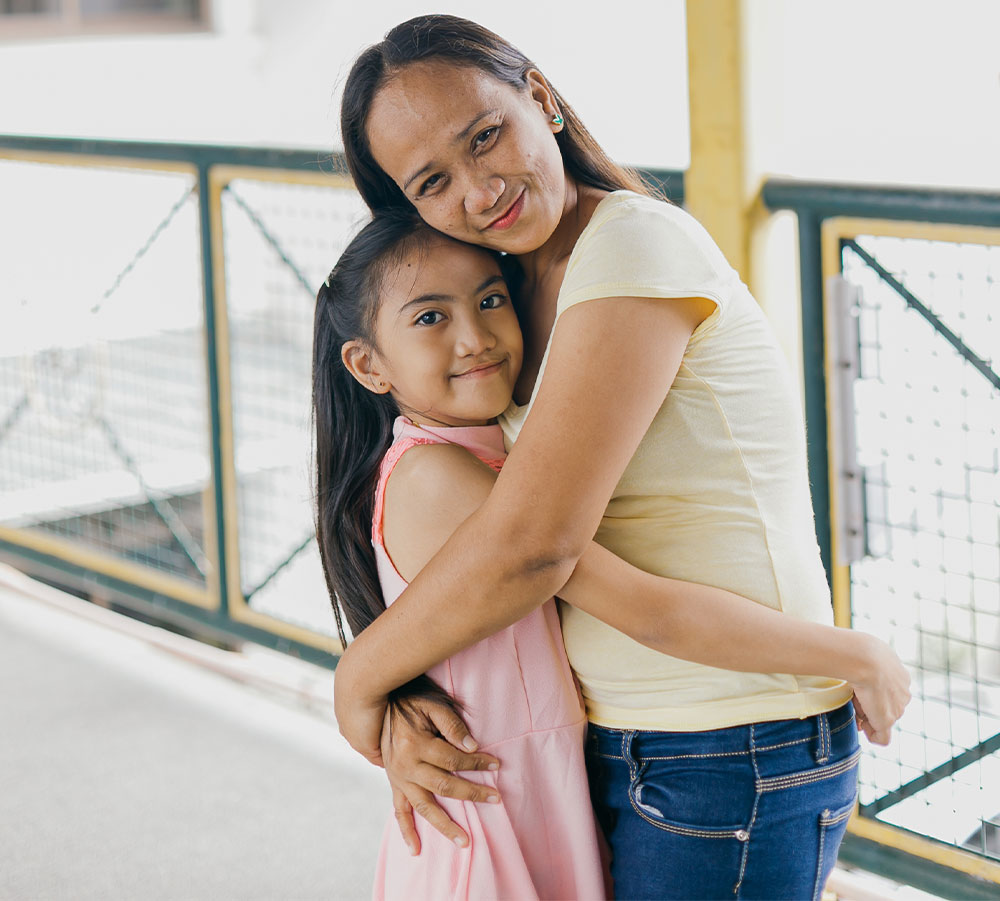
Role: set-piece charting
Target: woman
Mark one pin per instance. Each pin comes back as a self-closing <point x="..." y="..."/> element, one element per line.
<point x="661" y="419"/>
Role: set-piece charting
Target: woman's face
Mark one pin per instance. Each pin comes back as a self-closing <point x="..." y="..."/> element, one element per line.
<point x="476" y="157"/>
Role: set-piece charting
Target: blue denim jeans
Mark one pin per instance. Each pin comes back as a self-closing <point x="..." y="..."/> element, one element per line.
<point x="754" y="811"/>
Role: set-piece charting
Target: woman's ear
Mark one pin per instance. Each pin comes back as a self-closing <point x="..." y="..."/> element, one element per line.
<point x="361" y="363"/>
<point x="542" y="94"/>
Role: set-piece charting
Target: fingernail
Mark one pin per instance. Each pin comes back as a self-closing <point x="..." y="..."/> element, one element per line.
<point x="493" y="766"/>
<point x="459" y="841"/>
<point x="469" y="743"/>
<point x="413" y="850"/>
<point x="494" y="799"/>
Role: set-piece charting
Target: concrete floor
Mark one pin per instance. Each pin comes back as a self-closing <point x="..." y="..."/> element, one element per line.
<point x="135" y="764"/>
<point x="127" y="771"/>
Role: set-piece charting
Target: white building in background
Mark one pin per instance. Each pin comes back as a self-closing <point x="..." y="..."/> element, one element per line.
<point x="895" y="91"/>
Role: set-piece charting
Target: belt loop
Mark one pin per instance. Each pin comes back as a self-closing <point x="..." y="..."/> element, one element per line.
<point x="822" y="738"/>
<point x="628" y="739"/>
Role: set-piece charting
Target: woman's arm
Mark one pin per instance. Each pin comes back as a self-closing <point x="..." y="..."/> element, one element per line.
<point x="610" y="366"/>
<point x="435" y="488"/>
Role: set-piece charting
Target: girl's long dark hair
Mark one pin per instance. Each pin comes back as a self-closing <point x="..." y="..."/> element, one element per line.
<point x="354" y="428"/>
<point x="463" y="43"/>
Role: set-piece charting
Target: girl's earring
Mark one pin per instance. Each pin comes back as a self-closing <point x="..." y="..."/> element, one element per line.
<point x="557" y="119"/>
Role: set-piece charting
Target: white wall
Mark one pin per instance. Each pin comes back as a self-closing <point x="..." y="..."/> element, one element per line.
<point x="885" y="91"/>
<point x="869" y="90"/>
<point x="269" y="73"/>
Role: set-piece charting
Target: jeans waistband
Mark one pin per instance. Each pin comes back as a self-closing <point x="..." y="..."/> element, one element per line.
<point x="731" y="740"/>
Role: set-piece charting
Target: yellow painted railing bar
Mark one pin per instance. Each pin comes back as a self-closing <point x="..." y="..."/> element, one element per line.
<point x="714" y="185"/>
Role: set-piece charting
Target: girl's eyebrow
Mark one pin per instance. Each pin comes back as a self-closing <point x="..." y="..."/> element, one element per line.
<point x="461" y="136"/>
<point x="448" y="298"/>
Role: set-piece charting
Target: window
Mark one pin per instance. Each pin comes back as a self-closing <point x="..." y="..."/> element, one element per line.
<point x="27" y="18"/>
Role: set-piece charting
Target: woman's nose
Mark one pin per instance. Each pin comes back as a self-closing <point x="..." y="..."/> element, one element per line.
<point x="482" y="194"/>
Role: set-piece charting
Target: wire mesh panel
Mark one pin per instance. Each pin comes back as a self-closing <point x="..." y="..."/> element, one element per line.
<point x="928" y="429"/>
<point x="281" y="240"/>
<point x="104" y="443"/>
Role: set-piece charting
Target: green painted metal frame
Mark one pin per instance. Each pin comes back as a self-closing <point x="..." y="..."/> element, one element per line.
<point x="814" y="202"/>
<point x="217" y="625"/>
<point x="926" y="875"/>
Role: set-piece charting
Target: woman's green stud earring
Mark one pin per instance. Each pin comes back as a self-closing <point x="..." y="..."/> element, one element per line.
<point x="557" y="119"/>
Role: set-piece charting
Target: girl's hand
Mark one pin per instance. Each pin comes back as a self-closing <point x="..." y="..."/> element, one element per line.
<point x="882" y="693"/>
<point x="421" y="751"/>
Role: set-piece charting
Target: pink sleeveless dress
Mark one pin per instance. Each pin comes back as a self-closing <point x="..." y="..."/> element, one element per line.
<point x="523" y="706"/>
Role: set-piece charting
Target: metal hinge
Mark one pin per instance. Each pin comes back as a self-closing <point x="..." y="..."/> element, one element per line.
<point x="843" y="300"/>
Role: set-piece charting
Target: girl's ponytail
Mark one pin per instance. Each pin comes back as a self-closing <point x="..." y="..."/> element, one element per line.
<point x="354" y="430"/>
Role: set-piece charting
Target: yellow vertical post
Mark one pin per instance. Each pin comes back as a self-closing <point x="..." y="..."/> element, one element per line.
<point x="715" y="183"/>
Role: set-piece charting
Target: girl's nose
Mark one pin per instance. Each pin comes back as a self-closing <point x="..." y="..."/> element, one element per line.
<point x="474" y="338"/>
<point x="483" y="193"/>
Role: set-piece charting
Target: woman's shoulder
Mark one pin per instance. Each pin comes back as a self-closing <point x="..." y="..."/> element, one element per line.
<point x="628" y="214"/>
<point x="640" y="246"/>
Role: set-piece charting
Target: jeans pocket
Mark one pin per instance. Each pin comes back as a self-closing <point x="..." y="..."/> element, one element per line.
<point x="702" y="797"/>
<point x="832" y="826"/>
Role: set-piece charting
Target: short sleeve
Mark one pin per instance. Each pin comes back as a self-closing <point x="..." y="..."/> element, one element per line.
<point x="636" y="246"/>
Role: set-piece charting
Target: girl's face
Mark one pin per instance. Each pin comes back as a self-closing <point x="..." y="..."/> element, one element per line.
<point x="448" y="344"/>
<point x="476" y="157"/>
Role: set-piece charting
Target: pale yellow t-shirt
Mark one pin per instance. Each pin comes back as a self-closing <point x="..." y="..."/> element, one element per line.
<point x="717" y="491"/>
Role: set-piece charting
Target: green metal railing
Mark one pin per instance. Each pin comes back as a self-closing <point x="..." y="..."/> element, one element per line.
<point x="901" y="344"/>
<point x="154" y="421"/>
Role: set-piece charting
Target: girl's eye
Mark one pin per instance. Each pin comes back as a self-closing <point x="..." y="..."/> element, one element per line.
<point x="485" y="137"/>
<point x="431" y="317"/>
<point x="492" y="301"/>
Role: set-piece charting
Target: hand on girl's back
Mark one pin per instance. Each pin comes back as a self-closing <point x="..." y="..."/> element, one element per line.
<point x="423" y="746"/>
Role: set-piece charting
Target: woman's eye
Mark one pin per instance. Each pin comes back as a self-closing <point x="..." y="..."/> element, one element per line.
<point x="492" y="302"/>
<point x="432" y="317"/>
<point x="429" y="184"/>
<point x="484" y="137"/>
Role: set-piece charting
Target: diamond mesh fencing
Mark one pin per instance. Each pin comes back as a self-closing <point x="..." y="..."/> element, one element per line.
<point x="281" y="242"/>
<point x="928" y="430"/>
<point x="104" y="438"/>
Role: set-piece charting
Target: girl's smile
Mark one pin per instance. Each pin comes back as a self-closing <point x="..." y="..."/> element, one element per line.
<point x="447" y="340"/>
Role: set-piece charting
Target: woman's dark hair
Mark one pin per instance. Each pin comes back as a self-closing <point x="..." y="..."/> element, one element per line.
<point x="354" y="426"/>
<point x="463" y="43"/>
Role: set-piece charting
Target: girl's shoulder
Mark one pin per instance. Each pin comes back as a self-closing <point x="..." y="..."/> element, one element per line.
<point x="428" y="487"/>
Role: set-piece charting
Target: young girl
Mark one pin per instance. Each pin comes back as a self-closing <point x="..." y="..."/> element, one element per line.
<point x="417" y="350"/>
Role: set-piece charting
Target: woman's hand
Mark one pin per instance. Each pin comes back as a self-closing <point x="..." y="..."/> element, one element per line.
<point x="424" y="743"/>
<point x="360" y="722"/>
<point x="882" y="692"/>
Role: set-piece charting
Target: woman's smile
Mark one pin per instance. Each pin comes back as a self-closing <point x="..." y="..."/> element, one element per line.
<point x="505" y="221"/>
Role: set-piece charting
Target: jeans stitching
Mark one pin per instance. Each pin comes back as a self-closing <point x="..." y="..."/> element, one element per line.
<point x="699" y="756"/>
<point x="832" y="821"/>
<point x="753" y="813"/>
<point x="778" y="782"/>
<point x="680" y="830"/>
<point x="784" y="744"/>
<point x="817" y="888"/>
